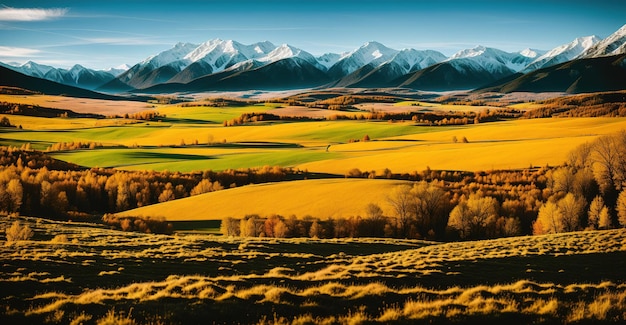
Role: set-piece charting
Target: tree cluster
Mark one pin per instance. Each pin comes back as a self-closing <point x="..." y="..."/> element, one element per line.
<point x="145" y="116"/>
<point x="137" y="224"/>
<point x="77" y="145"/>
<point x="219" y="102"/>
<point x="276" y="226"/>
<point x="247" y="118"/>
<point x="590" y="191"/>
<point x="607" y="104"/>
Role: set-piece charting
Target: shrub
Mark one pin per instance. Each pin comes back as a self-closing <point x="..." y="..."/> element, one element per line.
<point x="60" y="239"/>
<point x="17" y="232"/>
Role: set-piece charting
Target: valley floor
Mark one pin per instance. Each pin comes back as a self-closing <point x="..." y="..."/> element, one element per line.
<point x="81" y="273"/>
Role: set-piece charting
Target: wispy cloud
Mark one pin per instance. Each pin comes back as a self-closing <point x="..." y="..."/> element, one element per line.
<point x="123" y="41"/>
<point x="14" y="52"/>
<point x="30" y="14"/>
<point x="245" y="29"/>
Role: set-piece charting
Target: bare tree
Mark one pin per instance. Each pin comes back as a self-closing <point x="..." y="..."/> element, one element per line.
<point x="579" y="158"/>
<point x="375" y="222"/>
<point x="400" y="201"/>
<point x="430" y="207"/>
<point x="605" y="158"/>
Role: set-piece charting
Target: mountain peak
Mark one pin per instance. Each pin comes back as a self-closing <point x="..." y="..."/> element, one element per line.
<point x="77" y="67"/>
<point x="587" y="41"/>
<point x="613" y="45"/>
<point x="531" y="53"/>
<point x="176" y="53"/>
<point x="469" y="53"/>
<point x="371" y="51"/>
<point x="372" y="44"/>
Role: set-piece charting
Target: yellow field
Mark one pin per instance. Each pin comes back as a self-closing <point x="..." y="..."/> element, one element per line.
<point x="502" y="145"/>
<point x="323" y="199"/>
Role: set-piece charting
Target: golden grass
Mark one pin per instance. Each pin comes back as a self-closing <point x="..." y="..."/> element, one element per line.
<point x="278" y="281"/>
<point x="323" y="198"/>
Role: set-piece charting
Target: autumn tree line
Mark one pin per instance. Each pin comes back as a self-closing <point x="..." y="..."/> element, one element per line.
<point x="423" y="118"/>
<point x="32" y="183"/>
<point x="605" y="104"/>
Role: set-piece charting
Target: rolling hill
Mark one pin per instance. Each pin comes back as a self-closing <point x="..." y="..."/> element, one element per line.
<point x="320" y="198"/>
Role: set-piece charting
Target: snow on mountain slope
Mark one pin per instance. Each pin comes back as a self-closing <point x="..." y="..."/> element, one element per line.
<point x="286" y="51"/>
<point x="79" y="76"/>
<point x="563" y="53"/>
<point x="412" y="60"/>
<point x="613" y="45"/>
<point x="490" y="59"/>
<point x="221" y="55"/>
<point x="176" y="53"/>
<point x="116" y="71"/>
<point x="531" y="53"/>
<point x="31" y="68"/>
<point x="369" y="53"/>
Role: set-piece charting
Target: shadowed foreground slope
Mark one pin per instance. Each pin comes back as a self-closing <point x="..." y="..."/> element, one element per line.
<point x="70" y="272"/>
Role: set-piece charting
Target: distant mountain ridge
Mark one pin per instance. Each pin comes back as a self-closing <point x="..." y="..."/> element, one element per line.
<point x="12" y="78"/>
<point x="77" y="76"/>
<point x="229" y="65"/>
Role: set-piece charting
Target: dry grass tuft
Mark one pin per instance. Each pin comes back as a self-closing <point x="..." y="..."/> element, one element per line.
<point x="112" y="318"/>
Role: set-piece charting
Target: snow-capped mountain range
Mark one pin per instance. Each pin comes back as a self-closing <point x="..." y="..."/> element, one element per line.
<point x="218" y="63"/>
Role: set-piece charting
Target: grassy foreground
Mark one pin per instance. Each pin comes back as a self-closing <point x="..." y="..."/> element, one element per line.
<point x="80" y="273"/>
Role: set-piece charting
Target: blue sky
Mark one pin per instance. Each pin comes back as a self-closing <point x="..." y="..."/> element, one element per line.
<point x="102" y="34"/>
